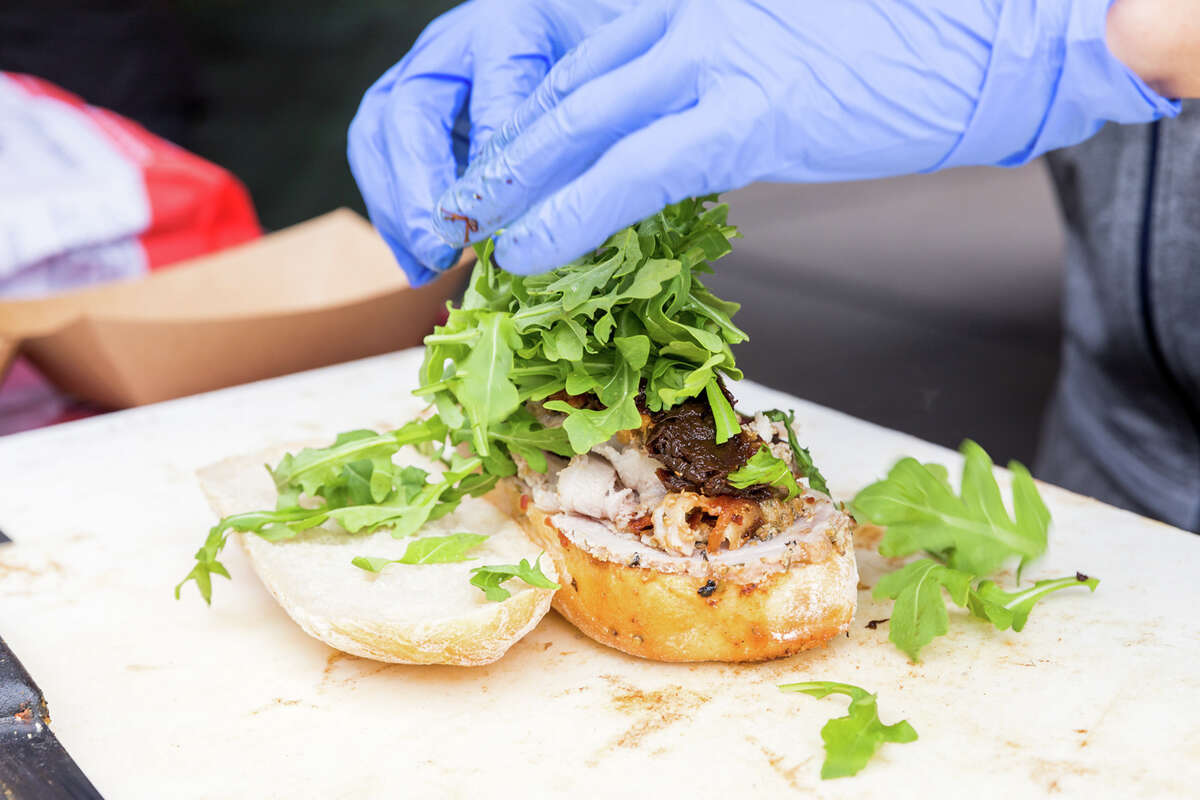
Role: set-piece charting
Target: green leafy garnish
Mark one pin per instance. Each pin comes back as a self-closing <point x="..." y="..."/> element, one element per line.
<point x="489" y="578"/>
<point x="409" y="503"/>
<point x="313" y="468"/>
<point x="727" y="425"/>
<point x="972" y="532"/>
<point x="632" y="316"/>
<point x="428" y="550"/>
<point x="919" y="614"/>
<point x="1011" y="609"/>
<point x="966" y="538"/>
<point x="765" y="468"/>
<point x="624" y="329"/>
<point x="803" y="458"/>
<point x="850" y="741"/>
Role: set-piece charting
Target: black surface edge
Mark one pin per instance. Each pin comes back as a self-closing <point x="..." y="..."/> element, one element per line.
<point x="33" y="764"/>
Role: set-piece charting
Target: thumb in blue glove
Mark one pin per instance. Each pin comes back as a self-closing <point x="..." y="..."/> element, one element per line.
<point x="678" y="98"/>
<point x="484" y="57"/>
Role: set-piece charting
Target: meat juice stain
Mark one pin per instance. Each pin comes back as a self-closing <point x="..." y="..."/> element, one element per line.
<point x="653" y="710"/>
<point x="470" y="225"/>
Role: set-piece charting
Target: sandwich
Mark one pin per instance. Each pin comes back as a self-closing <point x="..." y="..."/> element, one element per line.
<point x="589" y="409"/>
<point x="662" y="554"/>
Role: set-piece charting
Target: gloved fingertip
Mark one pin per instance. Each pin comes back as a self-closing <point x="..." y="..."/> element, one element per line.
<point x="418" y="274"/>
<point x="466" y="213"/>
<point x="432" y="254"/>
<point x="512" y="250"/>
<point x="451" y="221"/>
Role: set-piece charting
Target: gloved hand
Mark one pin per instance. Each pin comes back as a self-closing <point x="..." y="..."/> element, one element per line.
<point x="686" y="97"/>
<point x="493" y="52"/>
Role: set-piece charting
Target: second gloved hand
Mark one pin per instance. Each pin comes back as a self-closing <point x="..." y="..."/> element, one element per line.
<point x="484" y="57"/>
<point x="677" y="98"/>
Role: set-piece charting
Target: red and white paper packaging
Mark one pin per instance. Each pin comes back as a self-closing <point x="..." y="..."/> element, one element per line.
<point x="87" y="196"/>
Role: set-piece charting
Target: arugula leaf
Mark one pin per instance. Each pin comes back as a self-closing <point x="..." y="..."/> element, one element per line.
<point x="524" y="436"/>
<point x="722" y="411"/>
<point x="919" y="614"/>
<point x="966" y="537"/>
<point x="488" y="578"/>
<point x="411" y="502"/>
<point x="850" y="741"/>
<point x="628" y="317"/>
<point x="1011" y="609"/>
<point x="803" y="458"/>
<point x="765" y="468"/>
<point x="313" y="468"/>
<point x="485" y="391"/>
<point x="587" y="428"/>
<point x="972" y="533"/>
<point x="428" y="550"/>
<point x="262" y="522"/>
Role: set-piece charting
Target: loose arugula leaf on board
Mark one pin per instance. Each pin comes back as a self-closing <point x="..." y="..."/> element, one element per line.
<point x="971" y="532"/>
<point x="488" y="578"/>
<point x="803" y="458"/>
<point x="765" y="468"/>
<point x="428" y="550"/>
<point x="1011" y="609"/>
<point x="919" y="613"/>
<point x="852" y="740"/>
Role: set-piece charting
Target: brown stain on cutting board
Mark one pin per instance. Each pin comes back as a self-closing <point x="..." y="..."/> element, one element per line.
<point x="51" y="568"/>
<point x="1051" y="774"/>
<point x="794" y="775"/>
<point x="279" y="702"/>
<point x="867" y="536"/>
<point x="652" y="711"/>
<point x="354" y="669"/>
<point x="27" y="580"/>
<point x="344" y="671"/>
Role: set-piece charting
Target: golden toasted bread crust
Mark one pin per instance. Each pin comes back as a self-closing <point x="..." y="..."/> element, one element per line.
<point x="677" y="617"/>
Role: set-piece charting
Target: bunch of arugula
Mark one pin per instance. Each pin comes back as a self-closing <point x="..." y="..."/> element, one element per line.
<point x="631" y="317"/>
<point x="966" y="538"/>
<point x="354" y="483"/>
<point x="630" y="320"/>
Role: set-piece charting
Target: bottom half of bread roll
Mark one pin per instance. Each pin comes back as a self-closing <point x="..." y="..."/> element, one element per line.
<point x="763" y="600"/>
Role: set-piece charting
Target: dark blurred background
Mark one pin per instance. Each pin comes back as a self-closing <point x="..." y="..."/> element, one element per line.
<point x="926" y="303"/>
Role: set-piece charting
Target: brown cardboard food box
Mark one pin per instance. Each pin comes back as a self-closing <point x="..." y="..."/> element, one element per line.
<point x="324" y="291"/>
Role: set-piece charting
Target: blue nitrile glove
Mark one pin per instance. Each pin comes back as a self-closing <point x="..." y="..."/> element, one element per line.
<point x="485" y="56"/>
<point x="677" y="98"/>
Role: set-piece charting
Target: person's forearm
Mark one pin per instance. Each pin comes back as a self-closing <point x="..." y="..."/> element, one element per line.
<point x="1160" y="41"/>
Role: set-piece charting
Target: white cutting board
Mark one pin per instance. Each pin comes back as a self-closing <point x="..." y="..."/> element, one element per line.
<point x="156" y="698"/>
